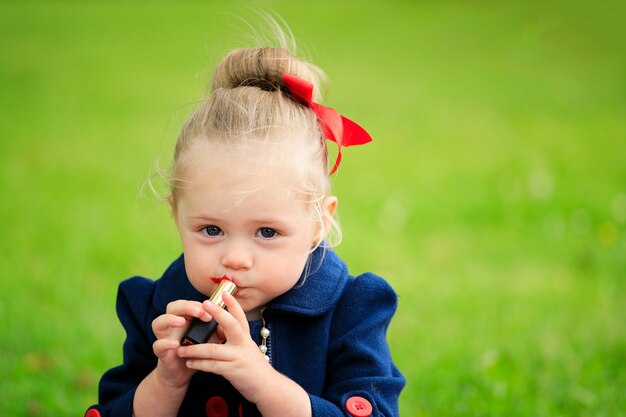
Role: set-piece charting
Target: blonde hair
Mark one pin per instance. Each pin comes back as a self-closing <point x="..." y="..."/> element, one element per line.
<point x="250" y="104"/>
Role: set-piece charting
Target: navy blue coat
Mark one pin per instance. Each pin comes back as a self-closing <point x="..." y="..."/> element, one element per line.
<point x="328" y="334"/>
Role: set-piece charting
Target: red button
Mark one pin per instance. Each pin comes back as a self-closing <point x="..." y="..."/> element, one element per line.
<point x="92" y="412"/>
<point x="216" y="407"/>
<point x="359" y="407"/>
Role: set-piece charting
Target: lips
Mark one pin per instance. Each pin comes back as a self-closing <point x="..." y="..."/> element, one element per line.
<point x="218" y="280"/>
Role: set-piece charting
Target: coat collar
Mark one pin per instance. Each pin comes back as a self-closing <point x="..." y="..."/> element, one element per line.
<point x="317" y="290"/>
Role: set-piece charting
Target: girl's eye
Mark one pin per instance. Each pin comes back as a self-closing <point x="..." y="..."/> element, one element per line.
<point x="266" y="232"/>
<point x="212" y="230"/>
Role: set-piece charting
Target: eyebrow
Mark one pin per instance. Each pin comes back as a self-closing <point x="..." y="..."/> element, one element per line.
<point x="203" y="218"/>
<point x="271" y="220"/>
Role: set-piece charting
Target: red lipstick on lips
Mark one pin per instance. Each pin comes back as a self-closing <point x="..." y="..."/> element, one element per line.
<point x="224" y="278"/>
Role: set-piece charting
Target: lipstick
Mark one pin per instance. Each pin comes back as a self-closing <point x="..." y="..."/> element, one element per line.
<point x="199" y="331"/>
<point x="225" y="277"/>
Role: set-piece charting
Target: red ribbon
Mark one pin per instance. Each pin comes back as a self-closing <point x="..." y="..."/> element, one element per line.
<point x="335" y="127"/>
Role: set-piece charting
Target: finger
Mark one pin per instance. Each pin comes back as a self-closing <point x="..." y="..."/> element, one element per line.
<point x="162" y="346"/>
<point x="234" y="308"/>
<point x="219" y="333"/>
<point x="162" y="325"/>
<point x="207" y="365"/>
<point x="212" y="351"/>
<point x="232" y="329"/>
<point x="188" y="309"/>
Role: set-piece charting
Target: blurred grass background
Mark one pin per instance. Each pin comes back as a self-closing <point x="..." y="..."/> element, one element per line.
<point x="493" y="197"/>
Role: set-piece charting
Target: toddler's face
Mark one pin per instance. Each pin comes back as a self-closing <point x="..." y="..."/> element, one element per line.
<point x="250" y="228"/>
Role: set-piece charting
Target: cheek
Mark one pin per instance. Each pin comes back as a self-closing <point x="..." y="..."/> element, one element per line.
<point x="196" y="267"/>
<point x="296" y="266"/>
<point x="193" y="276"/>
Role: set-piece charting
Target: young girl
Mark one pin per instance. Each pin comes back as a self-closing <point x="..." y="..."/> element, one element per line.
<point x="250" y="197"/>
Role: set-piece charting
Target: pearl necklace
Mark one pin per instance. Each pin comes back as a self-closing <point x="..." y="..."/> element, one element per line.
<point x="265" y="335"/>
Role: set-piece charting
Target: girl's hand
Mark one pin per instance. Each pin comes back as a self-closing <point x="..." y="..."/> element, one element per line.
<point x="169" y="328"/>
<point x="238" y="359"/>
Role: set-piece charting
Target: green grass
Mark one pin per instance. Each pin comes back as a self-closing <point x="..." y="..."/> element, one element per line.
<point x="493" y="197"/>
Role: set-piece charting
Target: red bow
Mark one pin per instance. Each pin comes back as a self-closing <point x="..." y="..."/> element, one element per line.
<point x="335" y="127"/>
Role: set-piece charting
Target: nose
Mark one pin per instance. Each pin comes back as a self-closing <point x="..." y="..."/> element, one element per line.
<point x="237" y="256"/>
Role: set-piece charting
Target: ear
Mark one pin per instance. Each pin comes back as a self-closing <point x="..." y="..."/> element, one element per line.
<point x="329" y="206"/>
<point x="172" y="203"/>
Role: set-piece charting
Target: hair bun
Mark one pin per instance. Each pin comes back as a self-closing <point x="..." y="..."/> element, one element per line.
<point x="263" y="68"/>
